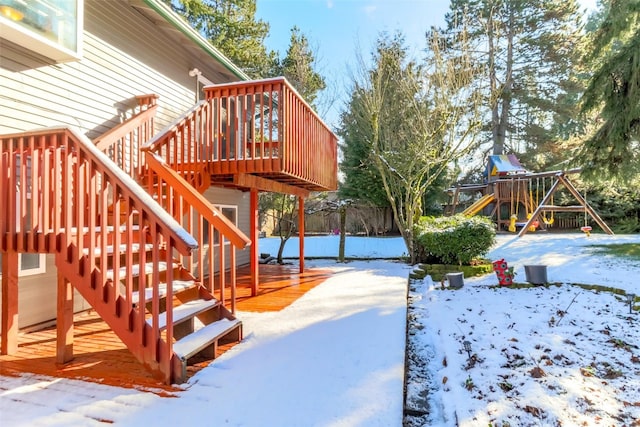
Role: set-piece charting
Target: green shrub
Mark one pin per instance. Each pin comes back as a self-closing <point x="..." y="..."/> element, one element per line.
<point x="454" y="239"/>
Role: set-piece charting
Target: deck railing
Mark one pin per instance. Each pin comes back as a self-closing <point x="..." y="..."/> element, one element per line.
<point x="55" y="192"/>
<point x="122" y="143"/>
<point x="259" y="127"/>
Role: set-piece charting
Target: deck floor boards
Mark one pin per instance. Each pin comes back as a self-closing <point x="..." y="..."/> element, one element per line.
<point x="101" y="357"/>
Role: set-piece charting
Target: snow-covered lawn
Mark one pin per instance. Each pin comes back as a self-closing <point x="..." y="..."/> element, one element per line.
<point x="544" y="356"/>
<point x="557" y="356"/>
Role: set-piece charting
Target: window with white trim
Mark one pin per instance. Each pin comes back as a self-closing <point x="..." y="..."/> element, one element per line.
<point x="52" y="28"/>
<point x="29" y="264"/>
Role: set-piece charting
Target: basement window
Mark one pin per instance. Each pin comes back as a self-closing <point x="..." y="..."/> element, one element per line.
<point x="51" y="28"/>
<point x="28" y="264"/>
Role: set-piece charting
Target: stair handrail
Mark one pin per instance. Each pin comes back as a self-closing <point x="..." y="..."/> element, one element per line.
<point x="186" y="243"/>
<point x="66" y="183"/>
<point x="157" y="141"/>
<point x="188" y="205"/>
<point x="198" y="201"/>
<point x="132" y="133"/>
<point x="175" y="172"/>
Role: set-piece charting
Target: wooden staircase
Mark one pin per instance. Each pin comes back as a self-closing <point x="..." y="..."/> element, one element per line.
<point x="124" y="250"/>
<point x="200" y="322"/>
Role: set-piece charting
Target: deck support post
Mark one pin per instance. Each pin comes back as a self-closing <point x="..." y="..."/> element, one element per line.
<point x="301" y="231"/>
<point x="254" y="224"/>
<point x="9" y="328"/>
<point x="64" y="322"/>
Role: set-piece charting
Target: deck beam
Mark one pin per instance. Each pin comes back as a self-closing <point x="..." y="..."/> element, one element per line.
<point x="253" y="181"/>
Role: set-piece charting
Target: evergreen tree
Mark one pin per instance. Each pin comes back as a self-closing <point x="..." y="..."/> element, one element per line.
<point x="614" y="93"/>
<point x="525" y="56"/>
<point x="299" y="67"/>
<point x="361" y="181"/>
<point x="231" y="26"/>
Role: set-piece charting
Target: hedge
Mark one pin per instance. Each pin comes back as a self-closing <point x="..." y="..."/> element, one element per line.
<point x="454" y="239"/>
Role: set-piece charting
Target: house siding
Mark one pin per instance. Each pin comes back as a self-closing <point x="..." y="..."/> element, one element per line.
<point x="37" y="297"/>
<point x="225" y="196"/>
<point x="124" y="55"/>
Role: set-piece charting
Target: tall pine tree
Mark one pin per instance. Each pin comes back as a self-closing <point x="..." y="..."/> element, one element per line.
<point x="614" y="93"/>
<point x="525" y="52"/>
<point x="299" y="67"/>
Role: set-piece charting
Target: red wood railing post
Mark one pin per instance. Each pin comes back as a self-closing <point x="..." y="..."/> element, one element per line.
<point x="64" y="321"/>
<point x="9" y="303"/>
<point x="255" y="265"/>
<point x="301" y="231"/>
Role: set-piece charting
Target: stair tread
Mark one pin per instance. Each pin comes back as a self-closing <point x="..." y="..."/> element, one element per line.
<point x="178" y="285"/>
<point x="186" y="311"/>
<point x="135" y="247"/>
<point x="135" y="269"/>
<point x="196" y="341"/>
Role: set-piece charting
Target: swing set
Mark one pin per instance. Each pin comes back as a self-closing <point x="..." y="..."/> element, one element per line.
<point x="511" y="187"/>
<point x="546" y="204"/>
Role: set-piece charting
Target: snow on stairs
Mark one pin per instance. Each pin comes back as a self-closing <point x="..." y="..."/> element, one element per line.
<point x="200" y="322"/>
<point x="204" y="341"/>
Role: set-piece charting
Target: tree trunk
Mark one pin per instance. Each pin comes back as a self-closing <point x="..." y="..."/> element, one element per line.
<point x="281" y="249"/>
<point x="343" y="232"/>
<point x="508" y="85"/>
<point x="498" y="145"/>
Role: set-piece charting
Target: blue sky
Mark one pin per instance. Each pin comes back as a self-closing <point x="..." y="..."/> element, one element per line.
<point x="336" y="29"/>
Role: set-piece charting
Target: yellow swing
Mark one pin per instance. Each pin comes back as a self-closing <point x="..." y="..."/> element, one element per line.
<point x="531" y="208"/>
<point x="551" y="219"/>
<point x="514" y="216"/>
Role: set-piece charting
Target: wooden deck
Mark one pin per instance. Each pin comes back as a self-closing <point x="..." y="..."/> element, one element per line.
<point x="101" y="357"/>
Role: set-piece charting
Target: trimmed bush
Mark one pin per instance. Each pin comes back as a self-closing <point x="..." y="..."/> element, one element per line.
<point x="454" y="239"/>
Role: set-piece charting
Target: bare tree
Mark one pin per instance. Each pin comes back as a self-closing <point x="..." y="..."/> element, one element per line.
<point x="417" y="120"/>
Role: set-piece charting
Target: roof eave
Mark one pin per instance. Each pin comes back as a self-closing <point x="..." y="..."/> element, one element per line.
<point x="181" y="25"/>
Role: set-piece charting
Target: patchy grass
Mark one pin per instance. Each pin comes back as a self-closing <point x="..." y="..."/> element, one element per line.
<point x="439" y="271"/>
<point x="624" y="250"/>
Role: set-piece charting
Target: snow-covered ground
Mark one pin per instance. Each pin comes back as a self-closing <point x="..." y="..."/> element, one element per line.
<point x="561" y="355"/>
<point x="543" y="356"/>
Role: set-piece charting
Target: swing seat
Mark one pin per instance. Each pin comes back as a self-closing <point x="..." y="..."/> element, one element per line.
<point x="586" y="230"/>
<point x="522" y="224"/>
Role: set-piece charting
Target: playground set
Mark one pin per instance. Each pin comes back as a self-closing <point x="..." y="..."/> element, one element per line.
<point x="518" y="199"/>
